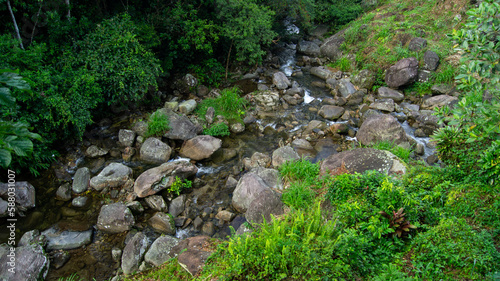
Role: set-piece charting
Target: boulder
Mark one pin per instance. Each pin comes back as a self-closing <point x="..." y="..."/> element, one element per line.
<point x="321" y="73"/>
<point x="181" y="128"/>
<point x="163" y="223"/>
<point x="113" y="175"/>
<point x="383" y="105"/>
<point x="225" y="216"/>
<point x="140" y="128"/>
<point x="331" y="112"/>
<point x="195" y="253"/>
<point x="248" y="188"/>
<point x="388" y="93"/>
<point x="31" y="263"/>
<point x="267" y="100"/>
<point x="177" y="205"/>
<point x="200" y="147"/>
<point x="331" y="47"/>
<point x="81" y="180"/>
<point x="133" y="253"/>
<point x="156" y="203"/>
<point x="283" y="154"/>
<point x="360" y="160"/>
<point x="24" y="195"/>
<point x="441" y="89"/>
<point x="161" y="177"/>
<point x="186" y="107"/>
<point x="314" y="125"/>
<point x="417" y="44"/>
<point x="79" y="202"/>
<point x="345" y="87"/>
<point x="308" y="48"/>
<point x="115" y="218"/>
<point x="159" y="252"/>
<point x="267" y="203"/>
<point x="171" y="106"/>
<point x="155" y="151"/>
<point x="64" y="192"/>
<point x="438" y="101"/>
<point x="381" y="127"/>
<point x="66" y="240"/>
<point x="364" y="79"/>
<point x="431" y="60"/>
<point x="237" y="128"/>
<point x="271" y="177"/>
<point x="402" y="73"/>
<point x="281" y="81"/>
<point x="126" y="137"/>
<point x="93" y="151"/>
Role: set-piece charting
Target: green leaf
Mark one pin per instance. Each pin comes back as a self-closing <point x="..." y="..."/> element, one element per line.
<point x="5" y="98"/>
<point x="5" y="158"/>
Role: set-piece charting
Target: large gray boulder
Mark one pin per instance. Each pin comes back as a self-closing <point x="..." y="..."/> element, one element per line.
<point x="308" y="48"/>
<point x="126" y="137"/>
<point x="24" y="195"/>
<point x="134" y="252"/>
<point x="156" y="202"/>
<point x="81" y="180"/>
<point x="113" y="175"/>
<point x="438" y="101"/>
<point x="66" y="240"/>
<point x="115" y="218"/>
<point x="181" y="128"/>
<point x="159" y="252"/>
<point x="345" y="87"/>
<point x="94" y="151"/>
<point x="431" y="60"/>
<point x="192" y="253"/>
<point x="321" y="73"/>
<point x="155" y="151"/>
<point x="271" y="177"/>
<point x="248" y="188"/>
<point x="161" y="177"/>
<point x="417" y="44"/>
<point x="331" y="112"/>
<point x="281" y="81"/>
<point x="381" y="127"/>
<point x="388" y="93"/>
<point x="283" y="154"/>
<point x="163" y="223"/>
<point x="360" y="160"/>
<point x="31" y="263"/>
<point x="331" y="47"/>
<point x="383" y="105"/>
<point x="186" y="107"/>
<point x="200" y="147"/>
<point x="266" y="203"/>
<point x="402" y="73"/>
<point x="177" y="205"/>
<point x="364" y="79"/>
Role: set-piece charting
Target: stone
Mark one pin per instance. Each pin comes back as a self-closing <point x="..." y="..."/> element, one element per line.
<point x="156" y="203"/>
<point x="66" y="240"/>
<point x="177" y="205"/>
<point x="267" y="203"/>
<point x="59" y="258"/>
<point x="360" y="160"/>
<point x="249" y="186"/>
<point x="345" y="87"/>
<point x="271" y="177"/>
<point x="113" y="175"/>
<point x="402" y="73"/>
<point x="195" y="254"/>
<point x="159" y="252"/>
<point x="116" y="254"/>
<point x="79" y="201"/>
<point x="115" y="218"/>
<point x="423" y="75"/>
<point x="364" y="79"/>
<point x="417" y="44"/>
<point x="331" y="112"/>
<point x="225" y="215"/>
<point x="200" y="147"/>
<point x="331" y="47"/>
<point x="281" y="81"/>
<point x="155" y="179"/>
<point x="381" y="127"/>
<point x="171" y="106"/>
<point x="128" y="153"/>
<point x="237" y="128"/>
<point x="126" y="137"/>
<point x="133" y="253"/>
<point x="32" y="236"/>
<point x="283" y="154"/>
<point x="431" y="60"/>
<point x="383" y="105"/>
<point x="31" y="263"/>
<point x="439" y="101"/>
<point x="441" y="89"/>
<point x="388" y="93"/>
<point x="154" y="151"/>
<point x="163" y="223"/>
<point x="209" y="116"/>
<point x="140" y="128"/>
<point x="81" y="180"/>
<point x="64" y="192"/>
<point x="197" y="223"/>
<point x="314" y="125"/>
<point x="136" y="207"/>
<point x="186" y="107"/>
<point x="267" y="100"/>
<point x="181" y="128"/>
<point x="93" y="151"/>
<point x="308" y="48"/>
<point x="208" y="228"/>
<point x="321" y="73"/>
<point x="24" y="195"/>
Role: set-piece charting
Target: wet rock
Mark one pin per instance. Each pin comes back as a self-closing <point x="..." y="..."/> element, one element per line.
<point x="93" y="151"/>
<point x="360" y="160"/>
<point x="432" y="159"/>
<point x="331" y="112"/>
<point x="417" y="44"/>
<point x="171" y="106"/>
<point x="186" y="107"/>
<point x="314" y="125"/>
<point x="345" y="87"/>
<point x="420" y="149"/>
<point x="127" y="154"/>
<point x="197" y="223"/>
<point x="114" y="175"/>
<point x="249" y="119"/>
<point x="321" y="73"/>
<point x="364" y="79"/>
<point x="79" y="201"/>
<point x="308" y="48"/>
<point x="136" y="207"/>
<point x="31" y="263"/>
<point x="237" y="128"/>
<point x="66" y="240"/>
<point x="126" y="137"/>
<point x="441" y="89"/>
<point x="249" y="186"/>
<point x="387" y="93"/>
<point x="431" y="60"/>
<point x="163" y="223"/>
<point x="64" y="192"/>
<point x="225" y="216"/>
<point x="283" y="154"/>
<point x="115" y="218"/>
<point x="208" y="228"/>
<point x="156" y="203"/>
<point x="116" y="254"/>
<point x="231" y="182"/>
<point x="159" y="251"/>
<point x="59" y="258"/>
<point x="267" y="203"/>
<point x="133" y="253"/>
<point x="383" y="105"/>
<point x="200" y="147"/>
<point x="24" y="195"/>
<point x="209" y="116"/>
<point x="155" y="151"/>
<point x="381" y="127"/>
<point x="140" y="128"/>
<point x="303" y="147"/>
<point x="181" y="128"/>
<point x="32" y="236"/>
<point x="402" y="73"/>
<point x="439" y="101"/>
<point x="270" y="176"/>
<point x="177" y="205"/>
<point x="331" y="47"/>
<point x="281" y="81"/>
<point x="195" y="255"/>
<point x="268" y="100"/>
<point x="161" y="177"/>
<point x="81" y="180"/>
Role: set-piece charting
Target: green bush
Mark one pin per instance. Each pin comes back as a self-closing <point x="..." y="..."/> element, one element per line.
<point x="229" y="105"/>
<point x="217" y="130"/>
<point x="299" y="196"/>
<point x="158" y="124"/>
<point x="301" y="170"/>
<point x="179" y="185"/>
<point x="397" y="150"/>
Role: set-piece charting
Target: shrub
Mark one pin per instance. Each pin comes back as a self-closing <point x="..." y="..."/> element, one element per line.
<point x="301" y="170"/>
<point x="401" y="152"/>
<point x="217" y="130"/>
<point x="179" y="185"/>
<point x="158" y="124"/>
<point x="229" y="104"/>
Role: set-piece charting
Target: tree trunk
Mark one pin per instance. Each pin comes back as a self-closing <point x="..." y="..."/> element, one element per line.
<point x="228" y="56"/>
<point x="15" y="25"/>
<point x="68" y="15"/>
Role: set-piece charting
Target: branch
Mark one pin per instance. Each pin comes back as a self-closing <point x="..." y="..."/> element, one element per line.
<point x="15" y="25"/>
